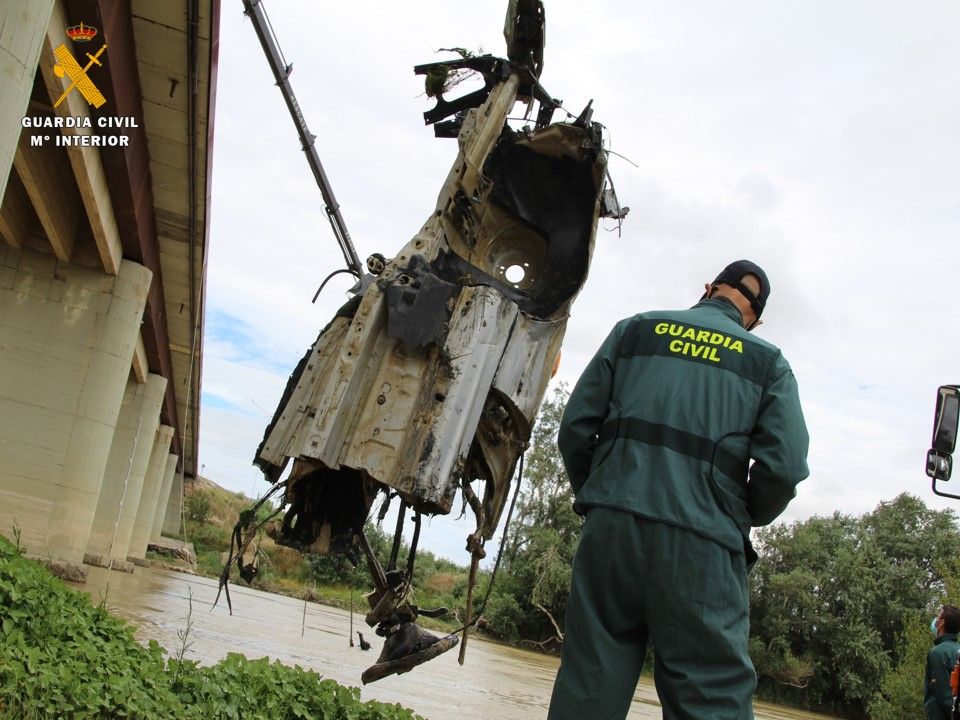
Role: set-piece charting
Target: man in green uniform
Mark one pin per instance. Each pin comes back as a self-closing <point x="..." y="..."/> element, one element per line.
<point x="657" y="440"/>
<point x="937" y="694"/>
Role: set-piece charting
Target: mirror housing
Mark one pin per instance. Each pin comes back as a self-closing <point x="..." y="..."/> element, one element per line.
<point x="945" y="420"/>
<point x="944" y="441"/>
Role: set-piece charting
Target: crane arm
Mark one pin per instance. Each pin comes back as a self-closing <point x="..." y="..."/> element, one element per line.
<point x="281" y="73"/>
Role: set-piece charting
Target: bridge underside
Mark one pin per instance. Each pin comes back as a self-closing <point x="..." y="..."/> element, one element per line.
<point x="103" y="237"/>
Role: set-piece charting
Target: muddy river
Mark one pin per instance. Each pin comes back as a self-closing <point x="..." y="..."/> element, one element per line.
<point x="495" y="682"/>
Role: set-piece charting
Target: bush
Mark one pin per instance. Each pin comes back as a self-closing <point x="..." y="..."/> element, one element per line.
<point x="208" y="537"/>
<point x="504" y="617"/>
<point x="335" y="569"/>
<point x="240" y="688"/>
<point x="62" y="657"/>
<point x="284" y="561"/>
<point x="901" y="689"/>
<point x="441" y="582"/>
<point x="197" y="506"/>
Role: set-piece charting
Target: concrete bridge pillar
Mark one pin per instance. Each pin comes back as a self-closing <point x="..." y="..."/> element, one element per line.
<point x="163" y="500"/>
<point x="150" y="497"/>
<point x="67" y="337"/>
<point x="125" y="471"/>
<point x="173" y="519"/>
<point x="23" y="28"/>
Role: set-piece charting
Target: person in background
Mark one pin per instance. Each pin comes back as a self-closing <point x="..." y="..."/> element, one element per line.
<point x="937" y="695"/>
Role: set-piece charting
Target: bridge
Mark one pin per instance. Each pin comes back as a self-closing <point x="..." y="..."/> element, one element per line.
<point x="106" y="129"/>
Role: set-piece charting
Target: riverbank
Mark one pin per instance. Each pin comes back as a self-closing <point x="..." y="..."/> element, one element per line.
<point x="63" y="656"/>
<point x="496" y="681"/>
<point x="210" y="512"/>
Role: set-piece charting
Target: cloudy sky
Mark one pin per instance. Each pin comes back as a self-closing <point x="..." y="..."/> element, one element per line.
<point x="820" y="139"/>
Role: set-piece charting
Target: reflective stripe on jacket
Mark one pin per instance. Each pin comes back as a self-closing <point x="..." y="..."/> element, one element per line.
<point x="669" y="413"/>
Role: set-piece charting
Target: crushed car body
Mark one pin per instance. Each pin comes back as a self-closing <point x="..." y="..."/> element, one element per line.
<point x="428" y="380"/>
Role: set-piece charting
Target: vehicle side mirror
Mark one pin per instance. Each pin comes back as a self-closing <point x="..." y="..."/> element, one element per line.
<point x="945" y="422"/>
<point x="944" y="442"/>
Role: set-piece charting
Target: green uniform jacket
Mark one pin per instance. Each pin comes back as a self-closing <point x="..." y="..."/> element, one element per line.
<point x="667" y="416"/>
<point x="937" y="696"/>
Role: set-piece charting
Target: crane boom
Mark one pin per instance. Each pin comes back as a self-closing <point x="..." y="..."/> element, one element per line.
<point x="281" y="73"/>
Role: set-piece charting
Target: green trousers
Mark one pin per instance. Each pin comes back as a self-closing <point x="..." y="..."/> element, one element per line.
<point x="638" y="582"/>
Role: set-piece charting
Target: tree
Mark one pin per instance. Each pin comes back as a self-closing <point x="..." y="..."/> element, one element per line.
<point x="813" y="598"/>
<point x="900" y="693"/>
<point x="545" y="532"/>
<point x="831" y="600"/>
<point x="546" y="498"/>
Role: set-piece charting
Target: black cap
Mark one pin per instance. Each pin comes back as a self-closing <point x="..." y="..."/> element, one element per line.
<point x="734" y="273"/>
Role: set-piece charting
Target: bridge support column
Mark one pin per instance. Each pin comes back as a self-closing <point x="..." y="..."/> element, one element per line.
<point x="173" y="519"/>
<point x="150" y="497"/>
<point x="124" y="476"/>
<point x="67" y="337"/>
<point x="23" y="29"/>
<point x="163" y="500"/>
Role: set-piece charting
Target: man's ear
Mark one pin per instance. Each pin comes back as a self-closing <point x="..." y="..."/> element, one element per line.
<point x="707" y="289"/>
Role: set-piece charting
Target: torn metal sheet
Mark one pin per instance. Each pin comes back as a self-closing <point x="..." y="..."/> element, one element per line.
<point x="464" y="324"/>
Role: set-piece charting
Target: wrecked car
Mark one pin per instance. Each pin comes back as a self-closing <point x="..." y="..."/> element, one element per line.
<point x="427" y="381"/>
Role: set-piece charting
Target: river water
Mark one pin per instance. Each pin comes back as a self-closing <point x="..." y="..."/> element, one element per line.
<point x="495" y="681"/>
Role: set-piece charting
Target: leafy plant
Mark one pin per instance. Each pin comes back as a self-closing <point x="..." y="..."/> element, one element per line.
<point x="16" y="530"/>
<point x="185" y="642"/>
<point x="197" y="504"/>
<point x="60" y="656"/>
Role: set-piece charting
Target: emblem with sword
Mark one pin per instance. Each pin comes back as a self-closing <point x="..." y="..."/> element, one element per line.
<point x="78" y="76"/>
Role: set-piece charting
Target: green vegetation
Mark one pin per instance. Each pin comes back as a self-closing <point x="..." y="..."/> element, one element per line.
<point x="60" y="656"/>
<point x="838" y="607"/>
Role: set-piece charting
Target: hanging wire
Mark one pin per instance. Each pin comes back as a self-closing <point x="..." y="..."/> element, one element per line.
<point x="241" y="545"/>
<point x="330" y="277"/>
<point x="496" y="565"/>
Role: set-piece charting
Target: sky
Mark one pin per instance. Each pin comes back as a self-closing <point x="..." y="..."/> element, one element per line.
<point x="819" y="139"/>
